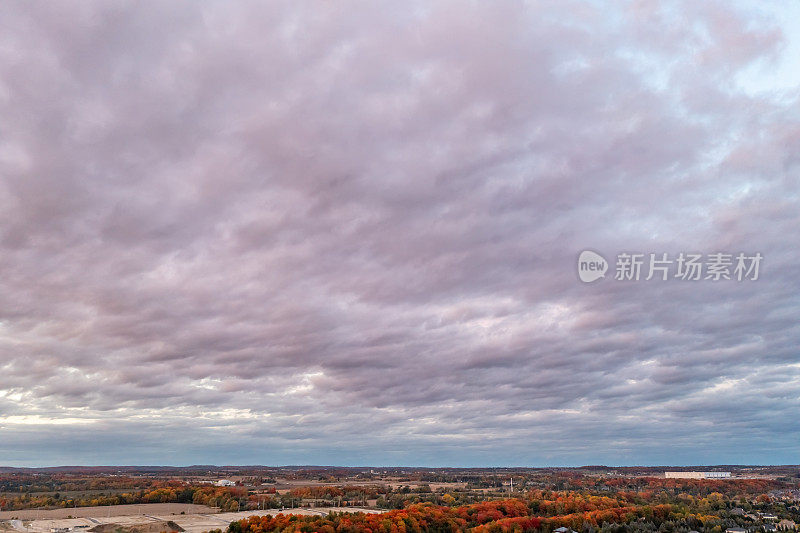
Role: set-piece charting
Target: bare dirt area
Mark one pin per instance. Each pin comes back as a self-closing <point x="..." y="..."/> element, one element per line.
<point x="108" y="511"/>
<point x="150" y="527"/>
<point x="137" y="522"/>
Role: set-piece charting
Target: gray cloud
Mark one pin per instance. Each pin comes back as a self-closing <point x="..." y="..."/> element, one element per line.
<point x="329" y="233"/>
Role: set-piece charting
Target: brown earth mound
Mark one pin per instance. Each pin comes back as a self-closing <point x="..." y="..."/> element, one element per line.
<point x="151" y="527"/>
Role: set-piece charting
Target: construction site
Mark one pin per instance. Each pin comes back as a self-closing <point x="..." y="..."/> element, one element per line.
<point x="145" y="518"/>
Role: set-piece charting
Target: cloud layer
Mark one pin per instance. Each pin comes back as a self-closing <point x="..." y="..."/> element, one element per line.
<point x="346" y="233"/>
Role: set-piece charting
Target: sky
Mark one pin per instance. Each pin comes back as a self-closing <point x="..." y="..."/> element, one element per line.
<point x="346" y="233"/>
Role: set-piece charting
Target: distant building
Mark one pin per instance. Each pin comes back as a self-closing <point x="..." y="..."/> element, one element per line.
<point x="697" y="475"/>
<point x="736" y="530"/>
<point x="225" y="483"/>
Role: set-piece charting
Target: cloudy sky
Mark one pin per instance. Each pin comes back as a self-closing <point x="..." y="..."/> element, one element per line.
<point x="346" y="233"/>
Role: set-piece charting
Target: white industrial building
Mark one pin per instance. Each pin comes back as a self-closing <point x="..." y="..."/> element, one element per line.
<point x="697" y="475"/>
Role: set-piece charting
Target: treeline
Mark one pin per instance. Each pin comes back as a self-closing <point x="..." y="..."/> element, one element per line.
<point x="706" y="494"/>
<point x="484" y="517"/>
<point x="71" y="483"/>
<point x="226" y="498"/>
<point x="697" y="487"/>
<point x="540" y="511"/>
<point x="417" y="518"/>
<point x="348" y="495"/>
<point x="347" y="491"/>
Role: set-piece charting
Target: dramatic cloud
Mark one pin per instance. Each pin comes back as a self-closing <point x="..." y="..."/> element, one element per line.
<point x="332" y="232"/>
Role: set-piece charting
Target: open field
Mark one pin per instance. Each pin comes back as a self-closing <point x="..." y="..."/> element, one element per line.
<point x="196" y="522"/>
